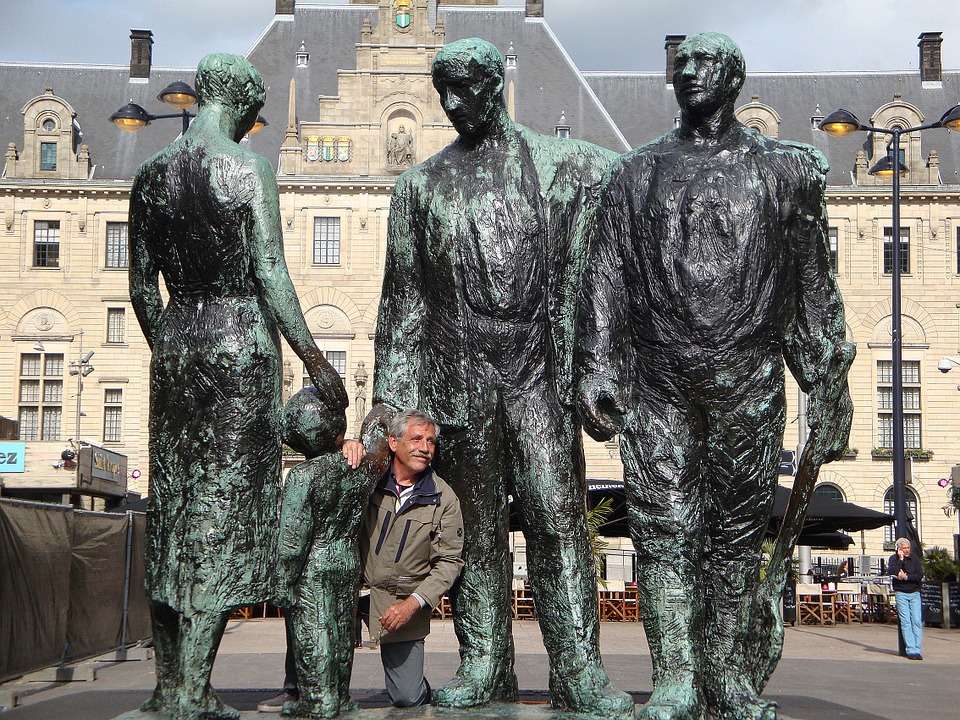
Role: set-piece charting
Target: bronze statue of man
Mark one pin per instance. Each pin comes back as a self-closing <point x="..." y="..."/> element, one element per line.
<point x="205" y="213"/>
<point x="476" y="329"/>
<point x="708" y="267"/>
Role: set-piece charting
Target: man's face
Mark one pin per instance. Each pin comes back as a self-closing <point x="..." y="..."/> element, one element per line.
<point x="467" y="95"/>
<point x="702" y="81"/>
<point x="413" y="452"/>
<point x="905" y="550"/>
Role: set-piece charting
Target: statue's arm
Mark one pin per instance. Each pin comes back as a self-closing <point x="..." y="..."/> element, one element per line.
<point x="144" y="277"/>
<point x="601" y="313"/>
<point x="296" y="532"/>
<point x="815" y="349"/>
<point x="400" y="320"/>
<point x="270" y="269"/>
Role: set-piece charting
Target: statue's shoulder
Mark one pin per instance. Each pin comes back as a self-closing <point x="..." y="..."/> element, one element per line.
<point x="567" y="149"/>
<point x="808" y="158"/>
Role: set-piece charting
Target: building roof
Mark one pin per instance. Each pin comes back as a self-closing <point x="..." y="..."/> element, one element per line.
<point x="617" y="110"/>
<point x="644" y="107"/>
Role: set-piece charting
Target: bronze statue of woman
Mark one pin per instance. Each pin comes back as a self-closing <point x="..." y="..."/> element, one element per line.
<point x="204" y="213"/>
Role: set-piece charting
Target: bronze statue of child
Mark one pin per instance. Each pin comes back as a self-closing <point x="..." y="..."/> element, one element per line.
<point x="318" y="569"/>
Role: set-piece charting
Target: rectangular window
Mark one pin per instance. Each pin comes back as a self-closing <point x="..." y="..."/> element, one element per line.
<point x="48" y="156"/>
<point x="51" y="424"/>
<point x="888" y="250"/>
<point x="912" y="417"/>
<point x="112" y="414"/>
<point x="30" y="365"/>
<point x="833" y="237"/>
<point x="53" y="391"/>
<point x="29" y="391"/>
<point x="116" y="325"/>
<point x="29" y="424"/>
<point x="326" y="241"/>
<point x="958" y="250"/>
<point x="46" y="243"/>
<point x="41" y="409"/>
<point x="117" y="245"/>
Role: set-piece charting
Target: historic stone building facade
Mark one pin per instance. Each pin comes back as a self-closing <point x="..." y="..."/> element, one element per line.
<point x="351" y="105"/>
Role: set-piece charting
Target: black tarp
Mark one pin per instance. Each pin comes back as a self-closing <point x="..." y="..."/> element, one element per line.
<point x="34" y="585"/>
<point x="62" y="584"/>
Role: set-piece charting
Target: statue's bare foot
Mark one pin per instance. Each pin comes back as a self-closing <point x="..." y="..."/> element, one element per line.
<point x="677" y="700"/>
<point x="590" y="693"/>
<point x="470" y="689"/>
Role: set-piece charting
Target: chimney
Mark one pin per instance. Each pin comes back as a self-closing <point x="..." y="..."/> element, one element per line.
<point x="534" y="8"/>
<point x="141" y="53"/>
<point x="931" y="66"/>
<point x="286" y="7"/>
<point x="670" y="44"/>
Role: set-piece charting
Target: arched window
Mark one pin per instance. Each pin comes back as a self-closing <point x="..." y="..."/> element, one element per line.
<point x="913" y="507"/>
<point x="829" y="491"/>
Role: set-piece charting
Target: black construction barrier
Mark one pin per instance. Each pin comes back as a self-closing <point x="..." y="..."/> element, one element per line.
<point x="71" y="585"/>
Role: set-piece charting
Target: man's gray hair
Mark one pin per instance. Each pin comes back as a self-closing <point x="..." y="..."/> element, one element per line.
<point x="901" y="542"/>
<point x="403" y="420"/>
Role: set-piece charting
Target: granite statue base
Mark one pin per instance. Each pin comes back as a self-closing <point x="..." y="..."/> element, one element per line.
<point x="497" y="711"/>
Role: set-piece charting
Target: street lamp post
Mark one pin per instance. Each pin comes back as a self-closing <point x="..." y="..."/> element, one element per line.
<point x="838" y="124"/>
<point x="178" y="95"/>
<point x="80" y="367"/>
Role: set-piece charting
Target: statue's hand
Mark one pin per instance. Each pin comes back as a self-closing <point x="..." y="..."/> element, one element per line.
<point x="601" y="408"/>
<point x="328" y="383"/>
<point x="830" y="409"/>
<point x="830" y="415"/>
<point x="284" y="594"/>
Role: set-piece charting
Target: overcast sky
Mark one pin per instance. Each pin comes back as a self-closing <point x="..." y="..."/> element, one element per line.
<point x="599" y="34"/>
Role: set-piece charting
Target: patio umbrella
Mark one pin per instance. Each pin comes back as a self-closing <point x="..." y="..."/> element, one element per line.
<point x="822" y="526"/>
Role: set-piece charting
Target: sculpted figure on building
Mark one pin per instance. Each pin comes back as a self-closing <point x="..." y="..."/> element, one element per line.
<point x="204" y="213"/>
<point x="476" y="328"/>
<point x="708" y="267"/>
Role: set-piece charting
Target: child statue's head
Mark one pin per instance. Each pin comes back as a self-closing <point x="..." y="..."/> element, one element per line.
<point x="310" y="427"/>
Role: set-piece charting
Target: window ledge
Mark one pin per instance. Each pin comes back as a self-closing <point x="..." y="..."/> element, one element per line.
<point x="887" y="454"/>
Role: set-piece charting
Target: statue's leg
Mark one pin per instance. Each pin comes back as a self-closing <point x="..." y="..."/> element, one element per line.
<point x="315" y="645"/>
<point x="546" y="455"/>
<point x="661" y="456"/>
<point x="470" y="461"/>
<point x="200" y="635"/>
<point x="166" y="642"/>
<point x="743" y="462"/>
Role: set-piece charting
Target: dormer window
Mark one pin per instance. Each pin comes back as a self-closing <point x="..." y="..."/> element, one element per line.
<point x="562" y="129"/>
<point x="303" y="57"/>
<point x="48" y="156"/>
<point x="510" y="59"/>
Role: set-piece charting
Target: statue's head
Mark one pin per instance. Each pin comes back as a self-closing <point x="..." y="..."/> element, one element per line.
<point x="708" y="73"/>
<point x="312" y="427"/>
<point x="232" y="81"/>
<point x="468" y="75"/>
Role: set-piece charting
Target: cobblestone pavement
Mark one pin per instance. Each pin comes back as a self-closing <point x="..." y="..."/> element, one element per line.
<point x="843" y="672"/>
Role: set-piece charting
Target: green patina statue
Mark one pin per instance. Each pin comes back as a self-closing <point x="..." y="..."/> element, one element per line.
<point x="708" y="267"/>
<point x="476" y="329"/>
<point x="318" y="567"/>
<point x="204" y="212"/>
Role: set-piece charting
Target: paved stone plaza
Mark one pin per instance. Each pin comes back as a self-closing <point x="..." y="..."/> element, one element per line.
<point x="844" y="672"/>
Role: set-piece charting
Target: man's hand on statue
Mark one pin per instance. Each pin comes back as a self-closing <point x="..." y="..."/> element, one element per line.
<point x="601" y="409"/>
<point x="353" y="452"/>
<point x="399" y="614"/>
